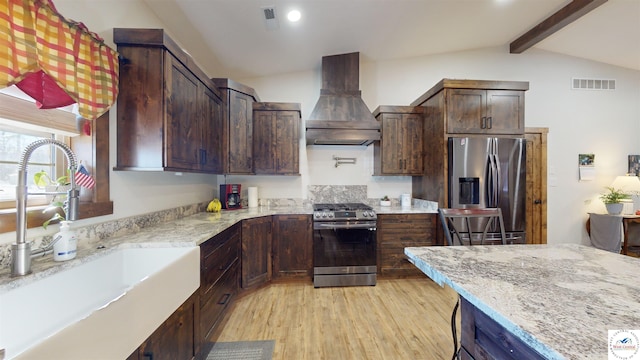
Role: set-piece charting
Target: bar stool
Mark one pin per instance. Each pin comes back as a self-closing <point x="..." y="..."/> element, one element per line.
<point x="470" y="225"/>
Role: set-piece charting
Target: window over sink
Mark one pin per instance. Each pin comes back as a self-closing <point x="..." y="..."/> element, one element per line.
<point x="22" y="116"/>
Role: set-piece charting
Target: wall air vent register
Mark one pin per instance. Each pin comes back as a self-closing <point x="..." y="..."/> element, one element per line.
<point x="592" y="84"/>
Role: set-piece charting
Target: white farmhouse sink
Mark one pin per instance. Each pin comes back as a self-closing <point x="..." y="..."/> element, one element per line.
<point x="103" y="308"/>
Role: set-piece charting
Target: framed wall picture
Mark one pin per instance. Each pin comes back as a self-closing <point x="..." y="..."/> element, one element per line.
<point x="586" y="167"/>
<point x="634" y="165"/>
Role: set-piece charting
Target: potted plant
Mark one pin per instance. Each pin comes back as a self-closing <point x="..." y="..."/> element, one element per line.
<point x="613" y="200"/>
<point x="385" y="201"/>
<point x="56" y="202"/>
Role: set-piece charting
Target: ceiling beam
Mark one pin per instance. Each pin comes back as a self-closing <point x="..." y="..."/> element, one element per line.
<point x="563" y="17"/>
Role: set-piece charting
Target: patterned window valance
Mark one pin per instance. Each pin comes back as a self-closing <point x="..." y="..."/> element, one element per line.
<point x="54" y="60"/>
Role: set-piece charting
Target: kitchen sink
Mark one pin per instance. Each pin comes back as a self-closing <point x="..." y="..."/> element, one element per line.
<point x="103" y="307"/>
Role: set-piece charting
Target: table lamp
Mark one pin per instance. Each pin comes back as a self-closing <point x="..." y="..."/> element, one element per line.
<point x="630" y="184"/>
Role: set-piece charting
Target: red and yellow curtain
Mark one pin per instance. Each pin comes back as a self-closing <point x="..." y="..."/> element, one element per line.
<point x="56" y="61"/>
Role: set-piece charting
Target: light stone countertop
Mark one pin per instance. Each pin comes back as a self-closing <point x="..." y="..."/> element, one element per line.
<point x="187" y="231"/>
<point x="559" y="299"/>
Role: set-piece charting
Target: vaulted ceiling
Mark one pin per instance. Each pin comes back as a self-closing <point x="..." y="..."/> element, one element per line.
<point x="232" y="34"/>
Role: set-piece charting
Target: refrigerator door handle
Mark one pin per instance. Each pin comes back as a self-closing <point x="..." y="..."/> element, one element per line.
<point x="492" y="182"/>
<point x="493" y="175"/>
<point x="498" y="177"/>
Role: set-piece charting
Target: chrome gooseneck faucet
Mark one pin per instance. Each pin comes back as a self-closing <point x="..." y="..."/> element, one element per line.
<point x="21" y="250"/>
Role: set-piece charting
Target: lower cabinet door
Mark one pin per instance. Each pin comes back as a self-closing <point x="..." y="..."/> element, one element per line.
<point x="174" y="339"/>
<point x="256" y="251"/>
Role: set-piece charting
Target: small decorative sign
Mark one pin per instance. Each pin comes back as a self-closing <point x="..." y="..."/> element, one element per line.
<point x="586" y="166"/>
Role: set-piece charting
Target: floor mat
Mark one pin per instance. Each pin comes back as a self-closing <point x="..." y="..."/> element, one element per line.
<point x="242" y="350"/>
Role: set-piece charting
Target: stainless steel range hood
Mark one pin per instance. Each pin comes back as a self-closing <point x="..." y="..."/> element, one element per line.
<point x="340" y="117"/>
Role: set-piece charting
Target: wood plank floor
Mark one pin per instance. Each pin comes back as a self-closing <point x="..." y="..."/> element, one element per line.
<point x="396" y="319"/>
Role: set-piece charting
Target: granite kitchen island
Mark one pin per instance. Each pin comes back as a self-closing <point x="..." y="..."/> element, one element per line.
<point x="557" y="300"/>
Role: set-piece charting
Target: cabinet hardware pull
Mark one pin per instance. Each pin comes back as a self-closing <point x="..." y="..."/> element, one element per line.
<point x="537" y="201"/>
<point x="489" y="122"/>
<point x="147" y="356"/>
<point x="224" y="299"/>
<point x="483" y="122"/>
<point x="203" y="156"/>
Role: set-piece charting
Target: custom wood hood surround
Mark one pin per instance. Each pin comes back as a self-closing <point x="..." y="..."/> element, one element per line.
<point x="340" y="117"/>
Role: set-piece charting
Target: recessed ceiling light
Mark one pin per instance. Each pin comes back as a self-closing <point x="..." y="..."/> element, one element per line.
<point x="294" y="15"/>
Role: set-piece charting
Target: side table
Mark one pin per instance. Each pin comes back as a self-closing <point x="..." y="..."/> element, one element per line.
<point x="626" y="221"/>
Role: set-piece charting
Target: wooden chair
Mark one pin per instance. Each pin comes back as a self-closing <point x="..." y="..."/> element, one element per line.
<point x="463" y="224"/>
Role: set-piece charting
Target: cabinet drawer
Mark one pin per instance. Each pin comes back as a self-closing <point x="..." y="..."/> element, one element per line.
<point x="213" y="304"/>
<point x="401" y="242"/>
<point x="219" y="261"/>
<point x="211" y="245"/>
<point x="413" y="219"/>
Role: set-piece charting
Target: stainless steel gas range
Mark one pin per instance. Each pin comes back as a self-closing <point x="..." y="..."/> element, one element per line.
<point x="344" y="245"/>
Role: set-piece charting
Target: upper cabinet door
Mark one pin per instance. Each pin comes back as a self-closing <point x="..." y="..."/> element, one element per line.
<point x="391" y="134"/>
<point x="505" y="109"/>
<point x="240" y="133"/>
<point x="184" y="133"/>
<point x="264" y="161"/>
<point x="287" y="142"/>
<point x="400" y="149"/>
<point x="476" y="111"/>
<point x="412" y="135"/>
<point x="276" y="138"/>
<point x="212" y="124"/>
<point x="466" y="111"/>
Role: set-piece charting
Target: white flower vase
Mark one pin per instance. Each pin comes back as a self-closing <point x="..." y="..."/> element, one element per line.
<point x="614" y="209"/>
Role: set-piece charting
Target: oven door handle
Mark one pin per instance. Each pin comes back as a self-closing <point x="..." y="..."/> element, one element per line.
<point x="369" y="226"/>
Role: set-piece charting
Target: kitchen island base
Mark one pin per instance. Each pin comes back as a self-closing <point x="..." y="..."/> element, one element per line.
<point x="483" y="338"/>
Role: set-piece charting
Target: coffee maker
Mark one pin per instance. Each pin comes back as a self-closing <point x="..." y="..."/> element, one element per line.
<point x="230" y="196"/>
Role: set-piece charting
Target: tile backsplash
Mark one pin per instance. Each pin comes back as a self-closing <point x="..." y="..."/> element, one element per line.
<point x="337" y="193"/>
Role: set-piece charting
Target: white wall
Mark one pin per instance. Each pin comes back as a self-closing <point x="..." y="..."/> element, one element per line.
<point x="605" y="123"/>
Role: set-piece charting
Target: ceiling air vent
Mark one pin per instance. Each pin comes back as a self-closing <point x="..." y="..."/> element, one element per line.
<point x="592" y="84"/>
<point x="270" y="17"/>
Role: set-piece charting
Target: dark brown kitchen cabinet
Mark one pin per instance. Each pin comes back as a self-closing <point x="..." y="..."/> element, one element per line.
<point x="455" y="107"/>
<point x="476" y="106"/>
<point x="219" y="280"/>
<point x="175" y="338"/>
<point x="256" y="251"/>
<point x="292" y="246"/>
<point x="169" y="112"/>
<point x="399" y="151"/>
<point x="276" y="138"/>
<point x="237" y="127"/>
<point x="397" y="231"/>
<point x="471" y="111"/>
<point x="211" y="157"/>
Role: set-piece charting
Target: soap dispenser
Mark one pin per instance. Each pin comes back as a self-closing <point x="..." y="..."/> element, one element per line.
<point x="65" y="243"/>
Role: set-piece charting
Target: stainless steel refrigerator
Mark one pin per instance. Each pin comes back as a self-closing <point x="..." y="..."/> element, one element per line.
<point x="490" y="172"/>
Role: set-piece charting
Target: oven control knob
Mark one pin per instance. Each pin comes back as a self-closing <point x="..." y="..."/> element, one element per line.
<point x="330" y="215"/>
<point x="365" y="214"/>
